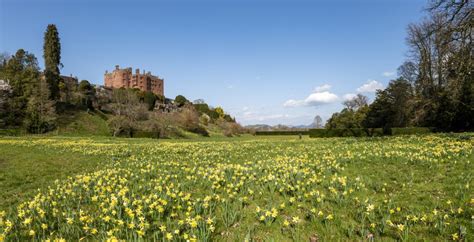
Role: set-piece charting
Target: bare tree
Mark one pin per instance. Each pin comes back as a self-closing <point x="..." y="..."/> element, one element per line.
<point x="356" y="102"/>
<point x="318" y="122"/>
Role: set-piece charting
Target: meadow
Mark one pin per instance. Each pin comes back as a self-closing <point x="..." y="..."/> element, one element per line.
<point x="405" y="188"/>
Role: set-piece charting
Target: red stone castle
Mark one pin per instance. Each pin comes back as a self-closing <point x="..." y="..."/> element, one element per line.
<point x="119" y="78"/>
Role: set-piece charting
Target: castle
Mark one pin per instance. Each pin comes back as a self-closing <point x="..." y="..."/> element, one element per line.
<point x="119" y="78"/>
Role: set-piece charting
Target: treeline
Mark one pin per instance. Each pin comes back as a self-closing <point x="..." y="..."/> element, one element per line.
<point x="435" y="87"/>
<point x="35" y="100"/>
<point x="29" y="96"/>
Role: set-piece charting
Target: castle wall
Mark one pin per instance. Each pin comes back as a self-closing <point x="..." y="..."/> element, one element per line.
<point x="119" y="78"/>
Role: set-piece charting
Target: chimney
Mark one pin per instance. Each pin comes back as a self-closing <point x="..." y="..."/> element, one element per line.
<point x="117" y="67"/>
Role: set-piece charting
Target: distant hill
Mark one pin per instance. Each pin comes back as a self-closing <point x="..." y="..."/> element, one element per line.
<point x="317" y="123"/>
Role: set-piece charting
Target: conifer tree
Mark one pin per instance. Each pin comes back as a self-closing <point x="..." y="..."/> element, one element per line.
<point x="52" y="60"/>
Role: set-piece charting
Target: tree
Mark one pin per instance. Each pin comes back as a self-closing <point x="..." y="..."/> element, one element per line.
<point x="356" y="102"/>
<point x="408" y="71"/>
<point x="220" y="112"/>
<point x="440" y="66"/>
<point x="41" y="115"/>
<point x="318" y="122"/>
<point x="380" y="111"/>
<point x="392" y="106"/>
<point x="199" y="101"/>
<point x="150" y="100"/>
<point x="52" y="60"/>
<point x="180" y="100"/>
<point x="87" y="92"/>
<point x="21" y="71"/>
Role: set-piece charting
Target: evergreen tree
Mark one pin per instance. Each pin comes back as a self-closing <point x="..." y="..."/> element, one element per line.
<point x="52" y="60"/>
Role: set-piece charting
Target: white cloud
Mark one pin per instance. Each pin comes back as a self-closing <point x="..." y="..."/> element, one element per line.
<point x="370" y="86"/>
<point x="320" y="95"/>
<point x="388" y="73"/>
<point x="293" y="103"/>
<point x="349" y="96"/>
<point x="318" y="98"/>
<point x="230" y="86"/>
<point x="322" y="88"/>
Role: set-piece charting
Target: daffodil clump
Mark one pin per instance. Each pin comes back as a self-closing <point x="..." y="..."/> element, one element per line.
<point x="338" y="189"/>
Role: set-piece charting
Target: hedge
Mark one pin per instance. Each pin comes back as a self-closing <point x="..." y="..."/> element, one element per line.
<point x="283" y="132"/>
<point x="411" y="130"/>
<point x="326" y="133"/>
<point x="319" y="133"/>
<point x="10" y="132"/>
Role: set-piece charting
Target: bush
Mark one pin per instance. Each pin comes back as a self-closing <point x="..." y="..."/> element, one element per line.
<point x="230" y="129"/>
<point x="188" y="119"/>
<point x="410" y="130"/>
<point x="322" y="133"/>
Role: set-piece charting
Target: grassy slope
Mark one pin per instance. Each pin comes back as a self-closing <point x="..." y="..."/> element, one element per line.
<point x="83" y="123"/>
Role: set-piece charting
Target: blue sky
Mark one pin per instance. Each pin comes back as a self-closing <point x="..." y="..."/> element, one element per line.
<point x="263" y="61"/>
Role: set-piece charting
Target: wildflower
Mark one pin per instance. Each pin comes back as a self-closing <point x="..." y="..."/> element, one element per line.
<point x="70" y="220"/>
<point x="44" y="226"/>
<point x="286" y="223"/>
<point x="401" y="227"/>
<point x="455" y="236"/>
<point x="370" y="207"/>
<point x="32" y="233"/>
<point x="27" y="221"/>
<point x="295" y="219"/>
<point x="169" y="236"/>
<point x="163" y="228"/>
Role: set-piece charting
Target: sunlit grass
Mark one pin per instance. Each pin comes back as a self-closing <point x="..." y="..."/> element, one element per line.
<point x="271" y="188"/>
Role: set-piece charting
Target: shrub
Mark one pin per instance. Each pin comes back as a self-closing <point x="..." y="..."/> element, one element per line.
<point x="321" y="133"/>
<point x="410" y="130"/>
<point x="188" y="119"/>
<point x="230" y="129"/>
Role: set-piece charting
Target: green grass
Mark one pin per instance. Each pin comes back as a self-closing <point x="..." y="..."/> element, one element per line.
<point x="23" y="170"/>
<point x="82" y="123"/>
<point x="429" y="177"/>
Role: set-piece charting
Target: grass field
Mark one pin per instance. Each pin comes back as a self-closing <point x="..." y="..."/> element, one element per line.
<point x="407" y="188"/>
